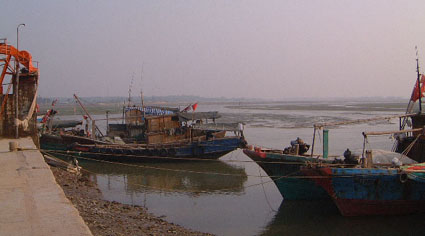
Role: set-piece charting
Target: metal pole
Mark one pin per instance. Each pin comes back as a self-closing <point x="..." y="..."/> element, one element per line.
<point x="419" y="86"/>
<point x="312" y="144"/>
<point x="17" y="83"/>
<point x="325" y="143"/>
<point x="107" y="122"/>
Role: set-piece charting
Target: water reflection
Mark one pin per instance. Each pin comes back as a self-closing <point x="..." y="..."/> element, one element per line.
<point x="225" y="205"/>
<point x="206" y="177"/>
<point x="323" y="218"/>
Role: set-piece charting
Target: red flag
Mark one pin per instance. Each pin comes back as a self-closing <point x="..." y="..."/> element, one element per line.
<point x="194" y="106"/>
<point x="54" y="102"/>
<point x="415" y="93"/>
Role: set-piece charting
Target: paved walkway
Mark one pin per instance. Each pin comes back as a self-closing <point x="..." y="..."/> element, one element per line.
<point x="31" y="202"/>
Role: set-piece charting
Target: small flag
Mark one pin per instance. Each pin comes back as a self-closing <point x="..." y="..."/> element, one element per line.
<point x="194" y="106"/>
<point x="415" y="93"/>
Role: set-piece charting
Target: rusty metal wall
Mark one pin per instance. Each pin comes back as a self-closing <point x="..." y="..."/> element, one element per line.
<point x="27" y="90"/>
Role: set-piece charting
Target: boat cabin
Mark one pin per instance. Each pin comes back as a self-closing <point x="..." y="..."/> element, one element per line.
<point x="152" y="125"/>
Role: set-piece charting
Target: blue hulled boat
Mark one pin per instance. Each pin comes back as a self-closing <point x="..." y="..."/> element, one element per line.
<point x="373" y="191"/>
<point x="284" y="170"/>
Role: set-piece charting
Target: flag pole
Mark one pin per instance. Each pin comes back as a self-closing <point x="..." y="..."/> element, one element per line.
<point x="419" y="82"/>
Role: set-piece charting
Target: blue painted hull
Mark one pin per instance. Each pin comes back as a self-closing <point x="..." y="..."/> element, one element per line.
<point x="211" y="149"/>
<point x="372" y="191"/>
<point x="287" y="176"/>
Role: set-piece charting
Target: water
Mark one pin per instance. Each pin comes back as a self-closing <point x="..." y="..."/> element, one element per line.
<point x="233" y="196"/>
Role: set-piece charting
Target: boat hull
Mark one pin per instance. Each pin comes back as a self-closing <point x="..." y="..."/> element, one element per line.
<point x="208" y="149"/>
<point x="287" y="176"/>
<point x="61" y="142"/>
<point x="362" y="191"/>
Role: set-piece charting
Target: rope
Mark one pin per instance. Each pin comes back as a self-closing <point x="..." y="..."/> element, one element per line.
<point x="24" y="123"/>
<point x="274" y="178"/>
<point x="183" y="158"/>
<point x="408" y="148"/>
<point x="188" y="190"/>
<point x="157" y="168"/>
<point x="264" y="191"/>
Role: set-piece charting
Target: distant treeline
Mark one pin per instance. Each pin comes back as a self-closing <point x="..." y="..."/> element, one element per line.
<point x="175" y="98"/>
<point x="192" y="99"/>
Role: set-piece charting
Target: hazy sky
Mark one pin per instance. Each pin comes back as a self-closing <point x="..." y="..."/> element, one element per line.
<point x="265" y="49"/>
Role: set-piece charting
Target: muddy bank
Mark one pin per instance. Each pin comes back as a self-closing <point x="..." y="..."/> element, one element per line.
<point x="112" y="218"/>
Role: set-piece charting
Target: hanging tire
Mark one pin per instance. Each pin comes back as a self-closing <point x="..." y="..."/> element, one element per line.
<point x="172" y="152"/>
<point x="163" y="152"/>
<point x="403" y="177"/>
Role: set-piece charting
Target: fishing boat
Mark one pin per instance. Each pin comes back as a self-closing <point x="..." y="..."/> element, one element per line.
<point x="150" y="134"/>
<point x="373" y="191"/>
<point x="284" y="169"/>
<point x="393" y="188"/>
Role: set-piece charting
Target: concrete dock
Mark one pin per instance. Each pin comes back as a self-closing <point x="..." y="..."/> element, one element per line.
<point x="31" y="202"/>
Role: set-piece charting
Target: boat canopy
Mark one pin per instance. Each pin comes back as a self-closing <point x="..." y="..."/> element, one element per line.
<point x="151" y="110"/>
<point x="219" y="126"/>
<point x="185" y="116"/>
<point x="65" y="123"/>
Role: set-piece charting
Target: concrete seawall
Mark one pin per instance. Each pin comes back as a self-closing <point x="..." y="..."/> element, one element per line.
<point x="31" y="202"/>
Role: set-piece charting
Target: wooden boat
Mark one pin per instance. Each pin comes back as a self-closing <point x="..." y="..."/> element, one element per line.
<point x="284" y="170"/>
<point x="148" y="133"/>
<point x="373" y="191"/>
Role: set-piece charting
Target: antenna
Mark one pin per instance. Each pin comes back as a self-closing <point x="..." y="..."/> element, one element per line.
<point x="129" y="89"/>
<point x="419" y="82"/>
<point x="141" y="87"/>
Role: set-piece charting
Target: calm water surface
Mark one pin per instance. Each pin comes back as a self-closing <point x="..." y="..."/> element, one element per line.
<point x="233" y="196"/>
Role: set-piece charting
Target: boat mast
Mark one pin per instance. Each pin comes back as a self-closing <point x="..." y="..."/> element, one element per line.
<point x="419" y="82"/>
<point x="87" y="113"/>
<point x="141" y="88"/>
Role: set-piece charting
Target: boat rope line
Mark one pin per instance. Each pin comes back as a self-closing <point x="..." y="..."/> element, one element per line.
<point x="203" y="191"/>
<point x="138" y="156"/>
<point x="359" y="121"/>
<point x="155" y="168"/>
<point x="273" y="178"/>
<point x="264" y="191"/>
<point x="79" y="153"/>
<point x="188" y="190"/>
<point x="408" y="148"/>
